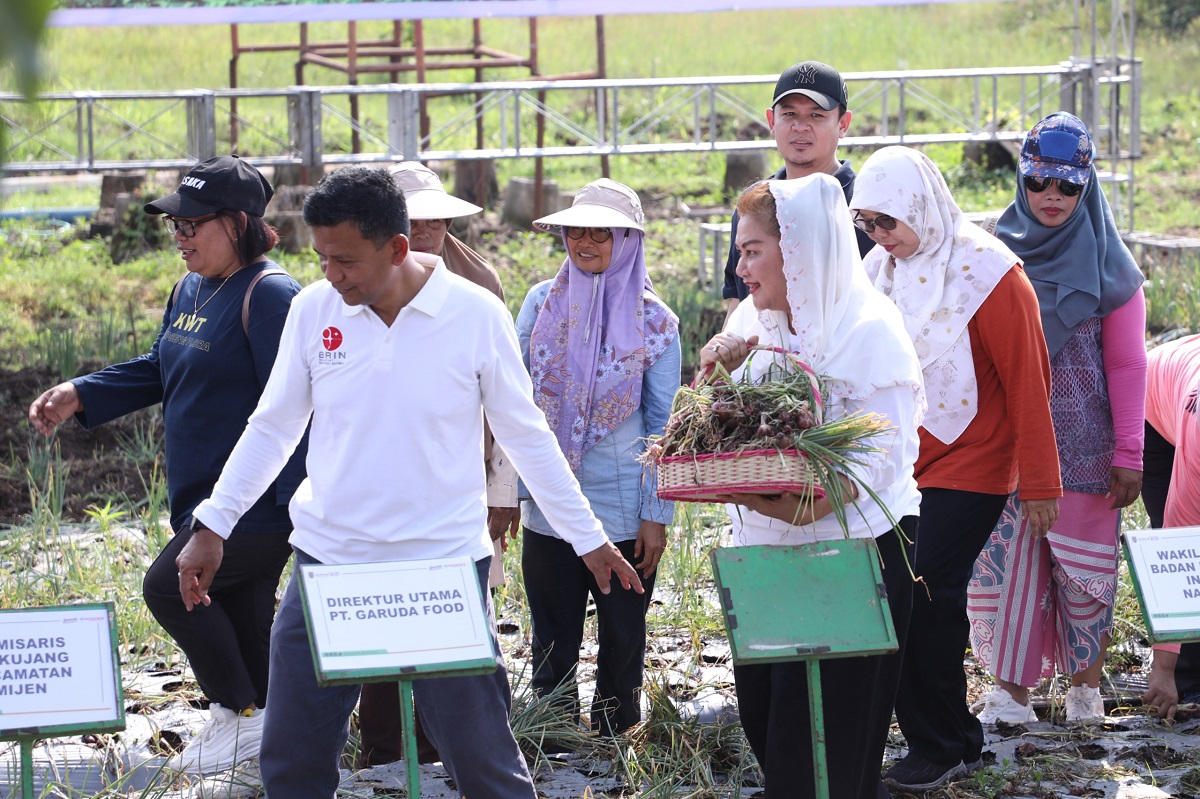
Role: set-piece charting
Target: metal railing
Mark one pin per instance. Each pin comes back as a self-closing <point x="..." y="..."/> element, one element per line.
<point x="310" y="126"/>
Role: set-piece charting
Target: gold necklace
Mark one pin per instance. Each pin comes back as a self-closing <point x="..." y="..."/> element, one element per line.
<point x="196" y="307"/>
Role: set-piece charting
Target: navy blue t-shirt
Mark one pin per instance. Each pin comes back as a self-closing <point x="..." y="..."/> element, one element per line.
<point x="734" y="287"/>
<point x="208" y="373"/>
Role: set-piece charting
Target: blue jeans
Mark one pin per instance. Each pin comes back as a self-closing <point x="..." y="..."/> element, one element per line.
<point x="307" y="726"/>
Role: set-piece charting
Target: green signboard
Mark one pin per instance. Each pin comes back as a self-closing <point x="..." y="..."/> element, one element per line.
<point x="813" y="601"/>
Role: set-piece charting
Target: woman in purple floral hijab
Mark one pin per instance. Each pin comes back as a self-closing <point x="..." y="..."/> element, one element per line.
<point x="603" y="353"/>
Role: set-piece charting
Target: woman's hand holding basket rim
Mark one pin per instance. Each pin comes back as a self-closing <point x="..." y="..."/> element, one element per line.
<point x="795" y="509"/>
<point x="728" y="349"/>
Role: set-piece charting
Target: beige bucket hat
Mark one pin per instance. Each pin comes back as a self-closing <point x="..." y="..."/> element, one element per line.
<point x="601" y="203"/>
<point x="425" y="195"/>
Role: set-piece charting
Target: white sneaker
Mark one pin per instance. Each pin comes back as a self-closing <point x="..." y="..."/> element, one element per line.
<point x="1084" y="703"/>
<point x="1000" y="706"/>
<point x="228" y="739"/>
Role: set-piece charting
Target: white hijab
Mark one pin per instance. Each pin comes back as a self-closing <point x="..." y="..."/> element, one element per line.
<point x="844" y="329"/>
<point x="939" y="288"/>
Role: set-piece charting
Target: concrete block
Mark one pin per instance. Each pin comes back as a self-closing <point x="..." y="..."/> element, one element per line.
<point x="742" y="168"/>
<point x="519" y="201"/>
<point x="475" y="182"/>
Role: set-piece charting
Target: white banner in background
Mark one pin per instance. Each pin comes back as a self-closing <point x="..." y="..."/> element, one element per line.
<point x="73" y="13"/>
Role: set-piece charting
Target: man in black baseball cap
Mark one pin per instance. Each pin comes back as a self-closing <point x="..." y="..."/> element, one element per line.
<point x="223" y="182"/>
<point x="818" y="82"/>
<point x="808" y="117"/>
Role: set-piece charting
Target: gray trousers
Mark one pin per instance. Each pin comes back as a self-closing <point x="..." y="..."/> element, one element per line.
<point x="307" y="726"/>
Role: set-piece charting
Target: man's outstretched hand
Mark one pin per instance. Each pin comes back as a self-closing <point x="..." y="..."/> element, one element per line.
<point x="606" y="562"/>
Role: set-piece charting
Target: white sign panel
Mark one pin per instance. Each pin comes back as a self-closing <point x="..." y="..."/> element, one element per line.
<point x="57" y="668"/>
<point x="388" y="617"/>
<point x="1166" y="563"/>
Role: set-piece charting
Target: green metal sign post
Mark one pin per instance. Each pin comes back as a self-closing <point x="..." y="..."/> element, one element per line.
<point x="62" y="676"/>
<point x="810" y="603"/>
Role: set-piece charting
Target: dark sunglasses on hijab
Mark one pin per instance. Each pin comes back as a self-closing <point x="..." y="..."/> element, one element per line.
<point x="882" y="221"/>
<point x="1065" y="187"/>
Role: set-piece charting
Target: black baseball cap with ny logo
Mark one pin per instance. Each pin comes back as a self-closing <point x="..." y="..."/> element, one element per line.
<point x="223" y="182"/>
<point x="818" y="82"/>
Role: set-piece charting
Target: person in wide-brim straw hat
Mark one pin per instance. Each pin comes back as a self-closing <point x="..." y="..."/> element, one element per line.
<point x="603" y="354"/>
<point x="430" y="211"/>
<point x="601" y="203"/>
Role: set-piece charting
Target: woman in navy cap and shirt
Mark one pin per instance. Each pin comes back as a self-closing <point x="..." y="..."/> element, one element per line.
<point x="208" y="366"/>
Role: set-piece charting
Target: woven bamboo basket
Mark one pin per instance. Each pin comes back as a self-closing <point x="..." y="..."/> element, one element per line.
<point x="702" y="478"/>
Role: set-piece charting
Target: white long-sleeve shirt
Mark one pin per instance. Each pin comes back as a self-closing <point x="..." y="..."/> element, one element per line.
<point x="395" y="460"/>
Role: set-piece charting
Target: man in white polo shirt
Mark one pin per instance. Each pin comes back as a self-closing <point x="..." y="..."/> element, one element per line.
<point x="396" y="359"/>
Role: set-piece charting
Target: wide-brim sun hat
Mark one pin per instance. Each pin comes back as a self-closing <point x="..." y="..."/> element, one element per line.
<point x="225" y="182"/>
<point x="425" y="196"/>
<point x="601" y="203"/>
<point x="1058" y="147"/>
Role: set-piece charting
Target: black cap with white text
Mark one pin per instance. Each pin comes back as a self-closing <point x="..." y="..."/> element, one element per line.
<point x="223" y="182"/>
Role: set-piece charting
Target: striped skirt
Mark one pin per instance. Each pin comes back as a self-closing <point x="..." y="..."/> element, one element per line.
<point x="1038" y="603"/>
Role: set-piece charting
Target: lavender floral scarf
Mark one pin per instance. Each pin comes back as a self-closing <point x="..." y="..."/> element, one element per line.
<point x="594" y="338"/>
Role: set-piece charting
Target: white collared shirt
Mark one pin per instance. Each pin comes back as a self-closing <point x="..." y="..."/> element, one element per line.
<point x="395" y="460"/>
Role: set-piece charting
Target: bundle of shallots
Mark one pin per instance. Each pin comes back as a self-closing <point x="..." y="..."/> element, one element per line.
<point x="729" y="436"/>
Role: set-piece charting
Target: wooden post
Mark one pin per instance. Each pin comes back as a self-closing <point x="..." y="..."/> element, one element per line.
<point x="352" y="69"/>
<point x="602" y="73"/>
<point x="419" y="46"/>
<point x="233" y="83"/>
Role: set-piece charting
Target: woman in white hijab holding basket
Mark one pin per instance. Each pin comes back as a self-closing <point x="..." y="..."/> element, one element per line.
<point x="799" y="258"/>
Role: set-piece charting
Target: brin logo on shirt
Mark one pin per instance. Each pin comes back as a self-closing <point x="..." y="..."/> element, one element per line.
<point x="331" y="340"/>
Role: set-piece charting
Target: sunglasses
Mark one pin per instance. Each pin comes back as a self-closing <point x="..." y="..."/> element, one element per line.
<point x="596" y="234"/>
<point x="883" y="221"/>
<point x="186" y="226"/>
<point x="1065" y="187"/>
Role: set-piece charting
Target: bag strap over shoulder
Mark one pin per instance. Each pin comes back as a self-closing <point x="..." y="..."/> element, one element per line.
<point x="245" y="300"/>
<point x="249" y="291"/>
<point x="178" y="287"/>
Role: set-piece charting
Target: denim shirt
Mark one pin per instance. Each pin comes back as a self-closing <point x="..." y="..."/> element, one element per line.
<point x="621" y="491"/>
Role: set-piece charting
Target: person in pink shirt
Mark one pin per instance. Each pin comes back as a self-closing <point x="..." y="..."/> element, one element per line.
<point x="1037" y="600"/>
<point x="1172" y="496"/>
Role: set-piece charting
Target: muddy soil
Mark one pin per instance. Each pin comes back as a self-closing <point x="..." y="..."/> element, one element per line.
<point x="98" y="463"/>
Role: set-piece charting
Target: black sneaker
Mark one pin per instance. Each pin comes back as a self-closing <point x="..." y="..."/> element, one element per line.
<point x="914" y="773"/>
